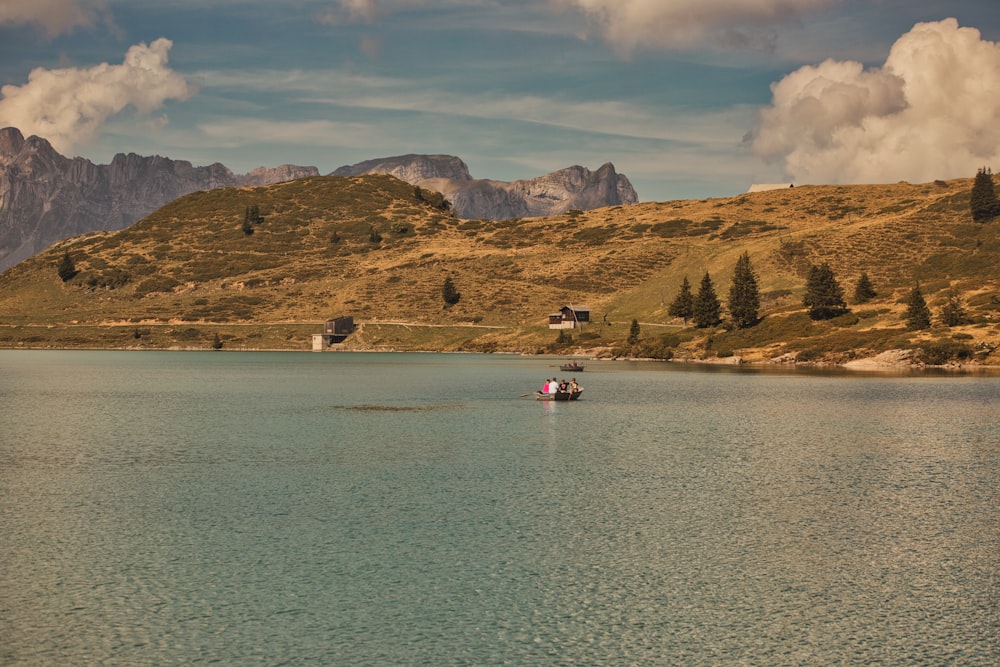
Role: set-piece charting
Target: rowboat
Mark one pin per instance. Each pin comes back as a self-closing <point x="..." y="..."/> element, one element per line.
<point x="573" y="366"/>
<point x="559" y="396"/>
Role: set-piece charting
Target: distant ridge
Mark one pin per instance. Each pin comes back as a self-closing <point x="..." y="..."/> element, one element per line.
<point x="46" y="197"/>
<point x="574" y="187"/>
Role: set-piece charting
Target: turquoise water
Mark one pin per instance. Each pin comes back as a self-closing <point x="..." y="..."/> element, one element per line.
<point x="410" y="509"/>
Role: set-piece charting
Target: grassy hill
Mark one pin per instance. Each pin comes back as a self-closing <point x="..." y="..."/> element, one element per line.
<point x="380" y="250"/>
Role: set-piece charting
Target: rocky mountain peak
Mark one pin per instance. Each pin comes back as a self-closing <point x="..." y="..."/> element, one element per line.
<point x="46" y="197"/>
<point x="551" y="194"/>
<point x="11" y="143"/>
<point x="411" y="168"/>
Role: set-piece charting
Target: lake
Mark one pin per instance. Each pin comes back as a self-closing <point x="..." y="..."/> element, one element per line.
<point x="410" y="509"/>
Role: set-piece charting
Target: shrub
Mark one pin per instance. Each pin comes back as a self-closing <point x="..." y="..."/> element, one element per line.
<point x="67" y="269"/>
<point x="109" y="280"/>
<point x="654" y="350"/>
<point x="810" y="354"/>
<point x="157" y="284"/>
<point x="449" y="293"/>
<point x="941" y="352"/>
<point x="953" y="312"/>
<point x="845" y="320"/>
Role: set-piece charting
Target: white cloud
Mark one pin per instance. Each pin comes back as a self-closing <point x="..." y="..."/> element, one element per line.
<point x="54" y="17"/>
<point x="931" y="111"/>
<point x="69" y="106"/>
<point x="745" y="24"/>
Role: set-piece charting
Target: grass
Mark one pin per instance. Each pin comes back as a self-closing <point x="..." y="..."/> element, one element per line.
<point x="311" y="257"/>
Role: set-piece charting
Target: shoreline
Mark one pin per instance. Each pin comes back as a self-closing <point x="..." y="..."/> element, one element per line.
<point x="891" y="361"/>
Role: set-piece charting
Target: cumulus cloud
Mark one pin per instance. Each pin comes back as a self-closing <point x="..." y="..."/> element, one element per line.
<point x="54" y="17"/>
<point x="745" y="24"/>
<point x="69" y="106"/>
<point x="931" y="111"/>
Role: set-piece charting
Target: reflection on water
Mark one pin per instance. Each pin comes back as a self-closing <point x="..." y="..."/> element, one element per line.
<point x="412" y="509"/>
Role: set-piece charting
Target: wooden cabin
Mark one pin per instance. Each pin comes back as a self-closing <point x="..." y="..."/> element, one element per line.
<point x="569" y="317"/>
<point x="334" y="331"/>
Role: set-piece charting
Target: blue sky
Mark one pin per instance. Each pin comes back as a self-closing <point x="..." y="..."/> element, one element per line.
<point x="688" y="98"/>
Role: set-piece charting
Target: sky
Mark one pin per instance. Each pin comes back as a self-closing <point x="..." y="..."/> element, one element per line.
<point x="687" y="98"/>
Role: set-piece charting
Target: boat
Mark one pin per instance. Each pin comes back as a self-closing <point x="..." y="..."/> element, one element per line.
<point x="559" y="395"/>
<point x="572" y="366"/>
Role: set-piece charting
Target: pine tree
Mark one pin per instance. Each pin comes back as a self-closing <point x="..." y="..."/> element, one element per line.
<point x="918" y="315"/>
<point x="864" y="291"/>
<point x="66" y="268"/>
<point x="633" y="333"/>
<point x="683" y="305"/>
<point x="450" y="295"/>
<point x="706" y="305"/>
<point x="824" y="297"/>
<point x="744" y="295"/>
<point x="953" y="311"/>
<point x="983" y="201"/>
<point x="249" y="218"/>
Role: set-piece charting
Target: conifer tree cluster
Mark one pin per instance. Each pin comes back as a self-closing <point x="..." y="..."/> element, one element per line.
<point x="864" y="291"/>
<point x="953" y="311"/>
<point x="633" y="332"/>
<point x="824" y="297"/>
<point x="67" y="268"/>
<point x="744" y="295"/>
<point x="251" y="217"/>
<point x="918" y="315"/>
<point x="706" y="305"/>
<point x="450" y="293"/>
<point x="983" y="201"/>
<point x="683" y="305"/>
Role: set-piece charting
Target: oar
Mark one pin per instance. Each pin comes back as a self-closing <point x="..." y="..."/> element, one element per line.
<point x="523" y="395"/>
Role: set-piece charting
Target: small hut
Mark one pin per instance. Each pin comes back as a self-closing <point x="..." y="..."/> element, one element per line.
<point x="334" y="331"/>
<point x="569" y="317"/>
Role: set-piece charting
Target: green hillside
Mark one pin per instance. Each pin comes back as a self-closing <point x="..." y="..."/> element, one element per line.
<point x="380" y="250"/>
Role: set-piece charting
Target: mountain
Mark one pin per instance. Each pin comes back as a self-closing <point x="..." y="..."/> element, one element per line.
<point x="46" y="197"/>
<point x="379" y="249"/>
<point x="552" y="194"/>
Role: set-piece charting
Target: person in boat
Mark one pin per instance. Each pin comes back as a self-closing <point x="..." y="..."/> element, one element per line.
<point x="574" y="387"/>
<point x="545" y="386"/>
<point x="563" y="386"/>
<point x="553" y="386"/>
